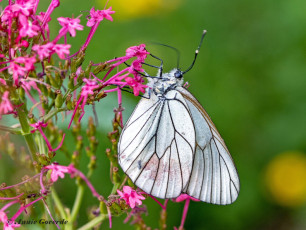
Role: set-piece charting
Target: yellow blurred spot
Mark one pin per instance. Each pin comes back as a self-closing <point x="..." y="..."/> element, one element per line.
<point x="127" y="9"/>
<point x="286" y="178"/>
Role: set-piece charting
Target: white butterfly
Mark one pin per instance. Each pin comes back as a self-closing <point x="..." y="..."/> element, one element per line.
<point x="170" y="146"/>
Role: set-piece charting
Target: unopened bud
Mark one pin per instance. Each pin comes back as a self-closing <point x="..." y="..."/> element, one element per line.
<point x="99" y="68"/>
<point x="59" y="100"/>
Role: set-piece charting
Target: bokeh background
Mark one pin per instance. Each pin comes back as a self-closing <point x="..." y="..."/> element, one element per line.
<point x="250" y="76"/>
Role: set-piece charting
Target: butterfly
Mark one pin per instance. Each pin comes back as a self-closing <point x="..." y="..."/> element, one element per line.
<point x="170" y="146"/>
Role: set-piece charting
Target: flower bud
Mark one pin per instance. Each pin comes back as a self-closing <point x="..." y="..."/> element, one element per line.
<point x="88" y="68"/>
<point x="21" y="93"/>
<point x="80" y="59"/>
<point x="99" y="68"/>
<point x="115" y="209"/>
<point x="59" y="99"/>
<point x="58" y="78"/>
<point x="43" y="89"/>
<point x="101" y="95"/>
<point x="81" y="76"/>
<point x="71" y="81"/>
<point x="103" y="208"/>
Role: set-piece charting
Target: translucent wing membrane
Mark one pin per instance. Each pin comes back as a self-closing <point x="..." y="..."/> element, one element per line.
<point x="157" y="145"/>
<point x="214" y="178"/>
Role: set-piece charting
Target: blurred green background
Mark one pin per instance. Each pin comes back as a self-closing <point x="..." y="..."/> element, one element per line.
<point x="250" y="76"/>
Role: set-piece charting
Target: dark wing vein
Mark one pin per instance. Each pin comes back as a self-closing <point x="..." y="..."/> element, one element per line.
<point x="157" y="107"/>
<point x="141" y="114"/>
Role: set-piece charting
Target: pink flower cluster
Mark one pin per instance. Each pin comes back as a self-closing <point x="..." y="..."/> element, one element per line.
<point x="136" y="83"/>
<point x="45" y="51"/>
<point x="120" y="79"/>
<point x="56" y="172"/>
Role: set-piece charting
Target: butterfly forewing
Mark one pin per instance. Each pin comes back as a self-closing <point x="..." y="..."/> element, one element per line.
<point x="157" y="145"/>
<point x="214" y="178"/>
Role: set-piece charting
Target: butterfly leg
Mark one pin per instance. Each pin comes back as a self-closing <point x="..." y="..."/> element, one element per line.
<point x="161" y="65"/>
<point x="145" y="73"/>
<point x="128" y="91"/>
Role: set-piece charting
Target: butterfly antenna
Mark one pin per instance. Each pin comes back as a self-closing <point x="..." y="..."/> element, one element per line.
<point x="171" y="47"/>
<point x="196" y="52"/>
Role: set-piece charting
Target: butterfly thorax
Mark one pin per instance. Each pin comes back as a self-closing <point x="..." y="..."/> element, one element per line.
<point x="169" y="81"/>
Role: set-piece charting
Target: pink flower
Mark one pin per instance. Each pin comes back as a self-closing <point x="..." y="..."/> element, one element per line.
<point x="106" y="13"/>
<point x="43" y="51"/>
<point x="27" y="27"/>
<point x="27" y="61"/>
<point x="183" y="197"/>
<point x="16" y="70"/>
<point x="87" y="89"/>
<point x="61" y="50"/>
<point x="10" y="226"/>
<point x="136" y="85"/>
<point x="7" y="225"/>
<point x="5" y="105"/>
<point x="2" y="81"/>
<point x="23" y="6"/>
<point x="99" y="15"/>
<point x="7" y="14"/>
<point x="44" y="19"/>
<point x="57" y="171"/>
<point x="70" y="24"/>
<point x="130" y="196"/>
<point x="135" y="67"/>
<point x="28" y="85"/>
<point x="38" y="125"/>
<point x="3" y="217"/>
<point x="137" y="51"/>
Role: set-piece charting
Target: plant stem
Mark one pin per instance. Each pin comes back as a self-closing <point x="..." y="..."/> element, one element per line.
<point x="41" y="147"/>
<point x="76" y="205"/>
<point x="58" y="204"/>
<point x="52" y="113"/>
<point x="26" y="131"/>
<point x="50" y="206"/>
<point x="16" y="131"/>
<point x="115" y="187"/>
<point x="93" y="222"/>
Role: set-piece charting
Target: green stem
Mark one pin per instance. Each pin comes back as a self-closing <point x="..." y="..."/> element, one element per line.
<point x="115" y="187"/>
<point x="58" y="204"/>
<point x="41" y="144"/>
<point x="76" y="205"/>
<point x="26" y="131"/>
<point x="93" y="222"/>
<point x="71" y="90"/>
<point x="16" y="131"/>
<point x="52" y="113"/>
<point x="50" y="206"/>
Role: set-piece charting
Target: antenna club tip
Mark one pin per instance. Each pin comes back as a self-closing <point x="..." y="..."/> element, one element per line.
<point x="197" y="51"/>
<point x="204" y="31"/>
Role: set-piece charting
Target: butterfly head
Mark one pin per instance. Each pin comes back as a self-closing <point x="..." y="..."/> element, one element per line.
<point x="168" y="81"/>
<point x="178" y="74"/>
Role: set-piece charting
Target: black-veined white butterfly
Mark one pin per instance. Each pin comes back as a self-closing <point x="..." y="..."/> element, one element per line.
<point x="170" y="146"/>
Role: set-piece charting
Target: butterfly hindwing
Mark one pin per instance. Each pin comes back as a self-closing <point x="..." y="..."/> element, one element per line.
<point x="214" y="177"/>
<point x="157" y="145"/>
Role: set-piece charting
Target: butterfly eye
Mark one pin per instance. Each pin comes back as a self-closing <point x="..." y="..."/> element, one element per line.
<point x="178" y="74"/>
